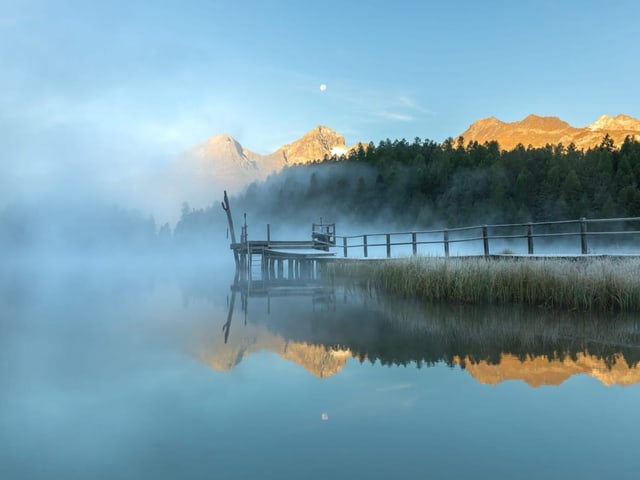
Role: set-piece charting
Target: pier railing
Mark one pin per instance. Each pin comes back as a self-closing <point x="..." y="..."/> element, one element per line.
<point x="567" y="237"/>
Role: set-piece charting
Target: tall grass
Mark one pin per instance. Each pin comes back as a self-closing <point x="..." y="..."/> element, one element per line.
<point x="584" y="284"/>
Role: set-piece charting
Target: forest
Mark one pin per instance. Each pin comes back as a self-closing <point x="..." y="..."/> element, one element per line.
<point x="425" y="184"/>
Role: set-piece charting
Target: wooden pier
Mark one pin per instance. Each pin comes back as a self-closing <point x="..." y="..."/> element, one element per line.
<point x="567" y="238"/>
<point x="280" y="260"/>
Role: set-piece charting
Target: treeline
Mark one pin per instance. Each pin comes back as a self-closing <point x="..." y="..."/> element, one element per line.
<point x="424" y="183"/>
<point x="78" y="228"/>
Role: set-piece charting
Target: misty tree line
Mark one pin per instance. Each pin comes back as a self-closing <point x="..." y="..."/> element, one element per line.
<point x="94" y="227"/>
<point x="78" y="228"/>
<point x="424" y="184"/>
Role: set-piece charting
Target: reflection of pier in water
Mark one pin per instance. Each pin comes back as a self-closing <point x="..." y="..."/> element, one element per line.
<point x="325" y="325"/>
<point x="321" y="294"/>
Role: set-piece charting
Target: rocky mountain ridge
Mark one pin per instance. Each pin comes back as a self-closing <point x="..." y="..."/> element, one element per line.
<point x="539" y="131"/>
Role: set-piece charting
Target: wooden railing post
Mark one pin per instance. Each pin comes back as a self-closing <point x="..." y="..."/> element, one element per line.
<point x="446" y="243"/>
<point x="485" y="240"/>
<point x="414" y="244"/>
<point x="272" y="268"/>
<point x="583" y="236"/>
<point x="530" y="238"/>
<point x="388" y="245"/>
<point x="364" y="244"/>
<point x="344" y="246"/>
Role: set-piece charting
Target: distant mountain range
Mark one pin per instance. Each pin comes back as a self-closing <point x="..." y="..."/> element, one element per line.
<point x="539" y="131"/>
<point x="222" y="162"/>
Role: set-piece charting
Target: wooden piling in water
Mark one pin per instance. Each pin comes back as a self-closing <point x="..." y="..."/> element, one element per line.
<point x="485" y="240"/>
<point x="446" y="243"/>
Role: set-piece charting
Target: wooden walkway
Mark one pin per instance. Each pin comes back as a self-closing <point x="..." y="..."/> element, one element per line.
<point x="277" y="260"/>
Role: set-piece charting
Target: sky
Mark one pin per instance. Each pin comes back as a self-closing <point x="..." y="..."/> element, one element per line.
<point x="99" y="91"/>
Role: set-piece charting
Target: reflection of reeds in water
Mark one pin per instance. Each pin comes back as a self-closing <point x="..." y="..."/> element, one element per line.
<point x="584" y="284"/>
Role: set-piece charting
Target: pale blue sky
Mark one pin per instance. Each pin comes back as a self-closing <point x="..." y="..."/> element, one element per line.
<point x="108" y="85"/>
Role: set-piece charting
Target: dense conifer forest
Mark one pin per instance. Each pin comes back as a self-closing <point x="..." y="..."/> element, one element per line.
<point x="423" y="184"/>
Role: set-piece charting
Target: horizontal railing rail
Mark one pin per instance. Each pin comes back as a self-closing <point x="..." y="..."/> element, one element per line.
<point x="536" y="236"/>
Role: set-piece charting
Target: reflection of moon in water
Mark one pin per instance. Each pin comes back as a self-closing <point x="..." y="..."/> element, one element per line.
<point x="324" y="416"/>
<point x="323" y="87"/>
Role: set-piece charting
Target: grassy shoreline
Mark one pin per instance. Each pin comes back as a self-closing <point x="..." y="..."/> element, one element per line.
<point x="581" y="284"/>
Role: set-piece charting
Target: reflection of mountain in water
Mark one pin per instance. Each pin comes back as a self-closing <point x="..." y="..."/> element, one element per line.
<point x="320" y="361"/>
<point x="320" y="332"/>
<point x="537" y="371"/>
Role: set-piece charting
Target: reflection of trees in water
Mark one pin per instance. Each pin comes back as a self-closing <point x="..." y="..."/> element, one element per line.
<point x="400" y="332"/>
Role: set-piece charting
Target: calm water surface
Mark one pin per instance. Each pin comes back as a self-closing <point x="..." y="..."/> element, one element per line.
<point x="110" y="372"/>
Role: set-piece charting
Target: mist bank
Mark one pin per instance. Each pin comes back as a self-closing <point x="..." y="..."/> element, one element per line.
<point x="86" y="229"/>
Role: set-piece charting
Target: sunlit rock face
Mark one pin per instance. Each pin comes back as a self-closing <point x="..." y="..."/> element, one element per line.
<point x="620" y="122"/>
<point x="539" y="131"/>
<point x="316" y="144"/>
<point x="538" y="371"/>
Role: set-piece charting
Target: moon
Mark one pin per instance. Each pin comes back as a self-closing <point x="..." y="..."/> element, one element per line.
<point x="323" y="87"/>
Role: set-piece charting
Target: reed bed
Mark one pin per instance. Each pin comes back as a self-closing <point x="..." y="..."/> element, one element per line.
<point x="582" y="284"/>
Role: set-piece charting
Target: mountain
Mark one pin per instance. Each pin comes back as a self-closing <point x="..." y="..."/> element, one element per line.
<point x="221" y="162"/>
<point x="539" y="131"/>
<point x="314" y="145"/>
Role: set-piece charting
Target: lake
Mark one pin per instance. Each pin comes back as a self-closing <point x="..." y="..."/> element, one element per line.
<point x="117" y="370"/>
